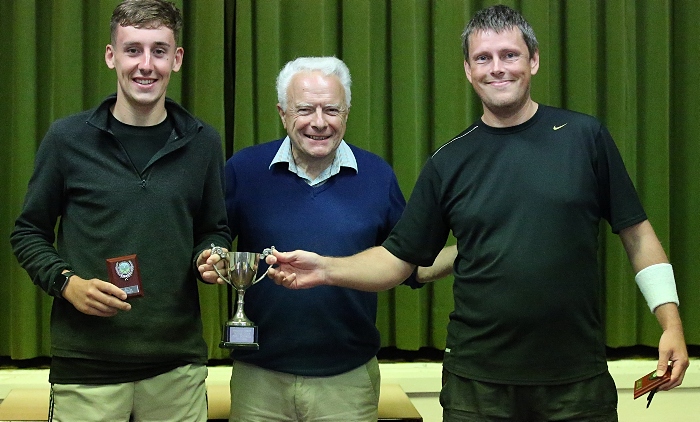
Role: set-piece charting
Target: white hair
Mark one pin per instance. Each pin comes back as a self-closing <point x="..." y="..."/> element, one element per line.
<point x="326" y="65"/>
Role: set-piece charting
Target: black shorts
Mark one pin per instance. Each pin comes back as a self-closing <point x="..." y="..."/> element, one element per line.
<point x="590" y="400"/>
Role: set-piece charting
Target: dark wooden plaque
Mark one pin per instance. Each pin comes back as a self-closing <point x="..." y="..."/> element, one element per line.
<point x="124" y="273"/>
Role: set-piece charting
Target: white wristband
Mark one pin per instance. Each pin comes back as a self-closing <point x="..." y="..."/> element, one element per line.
<point x="657" y="284"/>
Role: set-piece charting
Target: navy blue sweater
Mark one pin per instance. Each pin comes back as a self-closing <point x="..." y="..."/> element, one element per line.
<point x="326" y="330"/>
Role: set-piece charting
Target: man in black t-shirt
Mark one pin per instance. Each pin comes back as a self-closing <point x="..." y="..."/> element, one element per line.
<point x="523" y="190"/>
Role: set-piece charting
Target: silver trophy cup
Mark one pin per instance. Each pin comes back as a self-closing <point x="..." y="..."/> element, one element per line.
<point x="240" y="270"/>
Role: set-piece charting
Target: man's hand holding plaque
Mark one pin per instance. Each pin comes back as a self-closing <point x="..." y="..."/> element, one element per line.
<point x="94" y="296"/>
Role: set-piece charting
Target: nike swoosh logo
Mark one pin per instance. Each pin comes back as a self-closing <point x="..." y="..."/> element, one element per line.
<point x="559" y="127"/>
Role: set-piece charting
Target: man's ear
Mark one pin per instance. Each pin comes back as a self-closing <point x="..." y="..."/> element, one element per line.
<point x="468" y="70"/>
<point x="109" y="56"/>
<point x="179" y="54"/>
<point x="281" y="113"/>
<point x="535" y="62"/>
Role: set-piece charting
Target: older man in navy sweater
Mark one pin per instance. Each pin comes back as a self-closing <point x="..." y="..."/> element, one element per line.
<point x="317" y="348"/>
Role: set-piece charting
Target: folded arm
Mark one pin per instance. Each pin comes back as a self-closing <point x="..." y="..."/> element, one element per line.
<point x="442" y="266"/>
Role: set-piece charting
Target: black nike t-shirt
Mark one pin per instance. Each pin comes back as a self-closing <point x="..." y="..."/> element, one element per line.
<point x="524" y="203"/>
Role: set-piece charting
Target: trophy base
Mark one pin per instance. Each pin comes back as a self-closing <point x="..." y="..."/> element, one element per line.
<point x="247" y="346"/>
<point x="240" y="337"/>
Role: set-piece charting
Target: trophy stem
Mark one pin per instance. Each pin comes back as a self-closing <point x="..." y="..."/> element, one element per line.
<point x="240" y="318"/>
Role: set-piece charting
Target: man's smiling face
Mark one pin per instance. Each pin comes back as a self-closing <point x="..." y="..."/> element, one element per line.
<point x="316" y="116"/>
<point x="143" y="59"/>
<point x="500" y="68"/>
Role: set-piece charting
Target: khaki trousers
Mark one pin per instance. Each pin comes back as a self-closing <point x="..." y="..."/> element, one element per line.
<point x="261" y="395"/>
<point x="177" y="395"/>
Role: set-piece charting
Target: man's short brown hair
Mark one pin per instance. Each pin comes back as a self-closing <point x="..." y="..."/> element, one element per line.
<point x="146" y="14"/>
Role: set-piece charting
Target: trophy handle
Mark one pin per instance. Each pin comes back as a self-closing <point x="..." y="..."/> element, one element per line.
<point x="221" y="276"/>
<point x="223" y="255"/>
<point x="263" y="255"/>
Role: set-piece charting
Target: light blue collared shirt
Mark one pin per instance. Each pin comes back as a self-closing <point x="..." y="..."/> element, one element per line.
<point x="343" y="158"/>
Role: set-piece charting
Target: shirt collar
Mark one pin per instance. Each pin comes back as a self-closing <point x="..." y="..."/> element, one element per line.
<point x="344" y="157"/>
